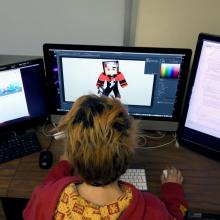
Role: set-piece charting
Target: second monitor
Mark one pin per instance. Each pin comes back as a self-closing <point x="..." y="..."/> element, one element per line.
<point x="149" y="81"/>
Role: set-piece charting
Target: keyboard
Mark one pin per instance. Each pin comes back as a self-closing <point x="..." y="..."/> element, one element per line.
<point x="136" y="177"/>
<point x="16" y="146"/>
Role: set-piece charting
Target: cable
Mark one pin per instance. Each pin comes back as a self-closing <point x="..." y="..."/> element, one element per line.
<point x="158" y="146"/>
<point x="162" y="135"/>
<point x="49" y="145"/>
<point x="58" y="135"/>
<point x="142" y="138"/>
<point x="46" y="133"/>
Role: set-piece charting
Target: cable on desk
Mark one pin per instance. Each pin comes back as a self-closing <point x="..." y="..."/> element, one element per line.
<point x="160" y="133"/>
<point x="141" y="138"/>
<point x="47" y="133"/>
<point x="143" y="146"/>
<point x="144" y="136"/>
<point x="49" y="145"/>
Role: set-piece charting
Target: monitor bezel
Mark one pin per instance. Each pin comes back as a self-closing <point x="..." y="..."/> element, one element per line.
<point x="47" y="47"/>
<point x="210" y="148"/>
<point x="20" y="125"/>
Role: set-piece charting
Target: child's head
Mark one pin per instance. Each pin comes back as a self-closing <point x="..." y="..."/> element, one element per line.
<point x="100" y="138"/>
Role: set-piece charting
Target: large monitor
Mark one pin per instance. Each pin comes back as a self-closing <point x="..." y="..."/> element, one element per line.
<point x="200" y="126"/>
<point x="149" y="81"/>
<point x="22" y="95"/>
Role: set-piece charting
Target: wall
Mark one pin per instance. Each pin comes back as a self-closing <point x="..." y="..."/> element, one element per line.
<point x="175" y="23"/>
<point x="27" y="24"/>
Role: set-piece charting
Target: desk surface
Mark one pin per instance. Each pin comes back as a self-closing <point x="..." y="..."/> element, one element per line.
<point x="201" y="174"/>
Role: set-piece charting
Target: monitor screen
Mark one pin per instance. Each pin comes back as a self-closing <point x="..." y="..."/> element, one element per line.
<point x="149" y="81"/>
<point x="200" y="127"/>
<point x="22" y="94"/>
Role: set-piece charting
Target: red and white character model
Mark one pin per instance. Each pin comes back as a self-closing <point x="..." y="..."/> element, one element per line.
<point x="111" y="75"/>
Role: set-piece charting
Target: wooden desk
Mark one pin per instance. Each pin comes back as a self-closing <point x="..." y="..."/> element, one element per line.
<point x="201" y="175"/>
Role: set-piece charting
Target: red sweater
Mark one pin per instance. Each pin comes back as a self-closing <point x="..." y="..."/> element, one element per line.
<point x="143" y="205"/>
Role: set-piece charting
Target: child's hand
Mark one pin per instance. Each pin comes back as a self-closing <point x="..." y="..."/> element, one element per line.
<point x="173" y="175"/>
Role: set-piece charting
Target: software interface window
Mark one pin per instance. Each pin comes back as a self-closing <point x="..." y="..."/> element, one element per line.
<point x="204" y="109"/>
<point x="87" y="72"/>
<point x="147" y="83"/>
<point x="22" y="96"/>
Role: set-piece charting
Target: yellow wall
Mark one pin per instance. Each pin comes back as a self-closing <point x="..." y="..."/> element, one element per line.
<point x="175" y="23"/>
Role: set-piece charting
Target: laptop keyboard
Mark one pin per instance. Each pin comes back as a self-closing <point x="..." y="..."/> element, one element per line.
<point x="16" y="146"/>
<point x="136" y="177"/>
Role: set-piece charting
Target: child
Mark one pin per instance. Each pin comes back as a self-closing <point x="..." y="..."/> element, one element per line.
<point x="100" y="140"/>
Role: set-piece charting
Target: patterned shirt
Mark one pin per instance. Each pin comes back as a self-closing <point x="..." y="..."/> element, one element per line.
<point x="72" y="206"/>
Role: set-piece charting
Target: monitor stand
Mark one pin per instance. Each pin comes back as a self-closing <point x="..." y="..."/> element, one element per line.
<point x="153" y="125"/>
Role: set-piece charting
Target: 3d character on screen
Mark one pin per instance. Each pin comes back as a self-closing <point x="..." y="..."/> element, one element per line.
<point x="112" y="77"/>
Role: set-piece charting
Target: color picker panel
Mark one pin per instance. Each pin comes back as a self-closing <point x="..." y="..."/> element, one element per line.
<point x="169" y="70"/>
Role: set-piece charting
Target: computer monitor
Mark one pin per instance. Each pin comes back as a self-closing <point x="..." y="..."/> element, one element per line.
<point x="22" y="95"/>
<point x="149" y="81"/>
<point x="200" y="126"/>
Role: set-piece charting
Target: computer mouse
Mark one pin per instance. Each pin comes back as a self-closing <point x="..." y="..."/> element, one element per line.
<point x="45" y="159"/>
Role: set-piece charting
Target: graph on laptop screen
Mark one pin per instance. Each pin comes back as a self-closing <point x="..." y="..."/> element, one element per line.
<point x="200" y="128"/>
<point x="149" y="81"/>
